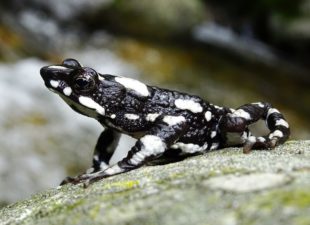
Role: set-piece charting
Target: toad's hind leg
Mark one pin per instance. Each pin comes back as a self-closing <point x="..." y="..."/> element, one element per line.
<point x="238" y="121"/>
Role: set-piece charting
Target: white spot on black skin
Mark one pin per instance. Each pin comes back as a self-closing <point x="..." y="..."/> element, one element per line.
<point x="101" y="77"/>
<point x="90" y="103"/>
<point x="271" y="111"/>
<point x="214" y="146"/>
<point x="57" y="67"/>
<point x="132" y="116"/>
<point x="188" y="104"/>
<point x="134" y="85"/>
<point x="282" y="122"/>
<point x="103" y="166"/>
<point x="261" y="139"/>
<point x="218" y="107"/>
<point x="152" y="116"/>
<point x="113" y="116"/>
<point x="276" y="133"/>
<point x="96" y="157"/>
<point x="189" y="147"/>
<point x="241" y="113"/>
<point x="151" y="145"/>
<point x="259" y="104"/>
<point x="115" y="169"/>
<point x="67" y="91"/>
<point x="54" y="83"/>
<point x="173" y="120"/>
<point x="213" y="134"/>
<point x="138" y="158"/>
<point x="208" y="116"/>
<point x="251" y="139"/>
<point x="80" y="108"/>
<point x="244" y="135"/>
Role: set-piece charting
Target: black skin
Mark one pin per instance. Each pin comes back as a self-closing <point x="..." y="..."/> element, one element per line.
<point x="109" y="101"/>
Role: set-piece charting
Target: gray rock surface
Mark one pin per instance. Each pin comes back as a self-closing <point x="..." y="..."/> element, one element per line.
<point x="220" y="187"/>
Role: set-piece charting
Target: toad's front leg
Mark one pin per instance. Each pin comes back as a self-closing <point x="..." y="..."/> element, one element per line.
<point x="105" y="147"/>
<point x="152" y="145"/>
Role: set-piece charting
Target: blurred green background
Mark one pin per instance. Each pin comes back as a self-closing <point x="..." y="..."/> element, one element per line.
<point x="228" y="52"/>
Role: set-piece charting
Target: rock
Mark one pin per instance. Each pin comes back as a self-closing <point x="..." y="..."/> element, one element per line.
<point x="180" y="193"/>
<point x="248" y="182"/>
<point x="153" y="19"/>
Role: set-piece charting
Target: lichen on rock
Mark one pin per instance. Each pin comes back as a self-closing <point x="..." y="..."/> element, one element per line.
<point x="191" y="191"/>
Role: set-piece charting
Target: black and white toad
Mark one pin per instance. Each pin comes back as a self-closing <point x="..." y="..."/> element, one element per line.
<point x="161" y="120"/>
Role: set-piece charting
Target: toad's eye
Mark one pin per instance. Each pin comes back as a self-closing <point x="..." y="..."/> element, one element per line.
<point x="72" y="63"/>
<point x="84" y="83"/>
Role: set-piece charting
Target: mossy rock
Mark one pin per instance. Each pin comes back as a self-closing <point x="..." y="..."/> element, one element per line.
<point x="184" y="193"/>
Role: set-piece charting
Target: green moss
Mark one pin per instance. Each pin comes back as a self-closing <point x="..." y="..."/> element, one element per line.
<point x="93" y="213"/>
<point x="57" y="208"/>
<point x="269" y="207"/>
<point x="232" y="170"/>
<point x="298" y="198"/>
<point x="127" y="184"/>
<point x="167" y="181"/>
<point x="283" y="198"/>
